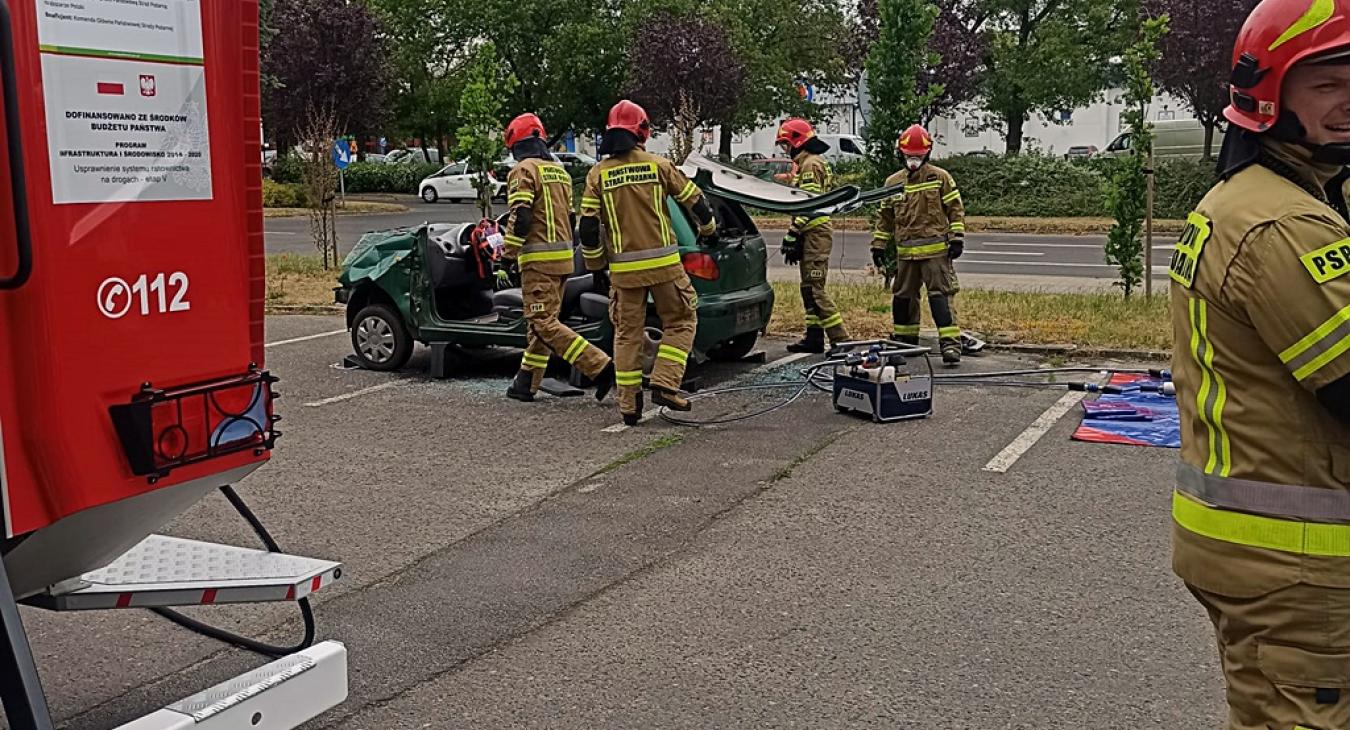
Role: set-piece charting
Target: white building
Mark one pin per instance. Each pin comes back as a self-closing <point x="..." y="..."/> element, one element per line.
<point x="1096" y="125"/>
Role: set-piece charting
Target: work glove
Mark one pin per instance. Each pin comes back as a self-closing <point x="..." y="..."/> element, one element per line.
<point x="792" y="248"/>
<point x="955" y="248"/>
<point x="600" y="282"/>
<point x="502" y="274"/>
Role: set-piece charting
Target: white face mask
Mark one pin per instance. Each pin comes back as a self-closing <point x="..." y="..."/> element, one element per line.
<point x="914" y="163"/>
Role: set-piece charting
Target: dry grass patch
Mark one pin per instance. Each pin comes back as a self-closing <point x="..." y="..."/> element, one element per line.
<point x="1105" y="321"/>
<point x="294" y="280"/>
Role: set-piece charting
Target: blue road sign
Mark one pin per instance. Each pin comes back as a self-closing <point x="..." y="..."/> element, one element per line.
<point x="342" y="154"/>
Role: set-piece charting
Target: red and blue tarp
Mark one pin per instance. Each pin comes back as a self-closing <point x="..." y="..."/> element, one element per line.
<point x="1140" y="416"/>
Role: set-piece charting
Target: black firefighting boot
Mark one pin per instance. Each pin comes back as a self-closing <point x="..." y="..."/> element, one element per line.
<point x="813" y="343"/>
<point x="632" y="419"/>
<point x="669" y="398"/>
<point x="604" y="381"/>
<point x="522" y="387"/>
<point x="951" y="353"/>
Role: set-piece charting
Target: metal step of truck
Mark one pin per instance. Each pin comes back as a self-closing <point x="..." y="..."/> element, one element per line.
<point x="282" y="695"/>
<point x="169" y="571"/>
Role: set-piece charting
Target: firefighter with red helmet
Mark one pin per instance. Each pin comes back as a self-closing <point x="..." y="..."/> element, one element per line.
<point x="625" y="225"/>
<point x="1260" y="302"/>
<point x="538" y="237"/>
<point x="810" y="238"/>
<point x="925" y="226"/>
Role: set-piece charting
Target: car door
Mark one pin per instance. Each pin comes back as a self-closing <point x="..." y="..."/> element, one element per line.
<point x="453" y="183"/>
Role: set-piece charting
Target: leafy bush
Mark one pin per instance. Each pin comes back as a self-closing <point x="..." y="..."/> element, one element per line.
<point x="283" y="195"/>
<point x="1179" y="185"/>
<point x="363" y="177"/>
<point x="374" y="177"/>
<point x="1027" y="185"/>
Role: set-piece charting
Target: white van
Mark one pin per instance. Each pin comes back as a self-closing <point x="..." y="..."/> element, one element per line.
<point x="844" y="147"/>
<point x="1180" y="138"/>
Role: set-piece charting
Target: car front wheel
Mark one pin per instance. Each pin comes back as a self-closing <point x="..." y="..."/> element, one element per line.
<point x="379" y="338"/>
<point x="429" y="194"/>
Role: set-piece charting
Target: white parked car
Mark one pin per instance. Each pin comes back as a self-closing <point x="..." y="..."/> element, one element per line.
<point x="454" y="182"/>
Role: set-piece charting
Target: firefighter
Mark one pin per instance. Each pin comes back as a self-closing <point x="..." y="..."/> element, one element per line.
<point x="809" y="239"/>
<point x="1260" y="308"/>
<point x="625" y="196"/>
<point x="925" y="226"/>
<point x="538" y="237"/>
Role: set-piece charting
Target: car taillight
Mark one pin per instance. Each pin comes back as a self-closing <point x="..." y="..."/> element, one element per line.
<point x="161" y="430"/>
<point x="701" y="266"/>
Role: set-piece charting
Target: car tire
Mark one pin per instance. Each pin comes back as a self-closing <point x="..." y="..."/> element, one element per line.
<point x="379" y="339"/>
<point x="736" y="348"/>
<point x="429" y="194"/>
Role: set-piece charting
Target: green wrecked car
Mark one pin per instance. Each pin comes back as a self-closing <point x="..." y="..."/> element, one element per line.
<point x="427" y="284"/>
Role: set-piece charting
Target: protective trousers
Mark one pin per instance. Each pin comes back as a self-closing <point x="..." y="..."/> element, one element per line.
<point x="821" y="312"/>
<point x="936" y="275"/>
<point x="677" y="307"/>
<point x="1285" y="657"/>
<point x="542" y="295"/>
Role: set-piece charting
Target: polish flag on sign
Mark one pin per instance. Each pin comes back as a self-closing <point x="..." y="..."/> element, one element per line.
<point x="111" y="89"/>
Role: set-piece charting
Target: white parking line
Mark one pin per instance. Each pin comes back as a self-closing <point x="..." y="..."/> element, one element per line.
<point x="1028" y="438"/>
<point x="306" y="338"/>
<point x="1012" y="253"/>
<point x="280" y="233"/>
<point x="356" y="393"/>
<point x="1041" y="426"/>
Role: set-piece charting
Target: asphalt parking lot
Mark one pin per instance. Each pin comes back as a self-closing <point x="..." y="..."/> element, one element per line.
<point x="538" y="565"/>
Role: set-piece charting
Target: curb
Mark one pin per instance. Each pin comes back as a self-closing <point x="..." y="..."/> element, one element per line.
<point x="271" y="309"/>
<point x="1078" y="350"/>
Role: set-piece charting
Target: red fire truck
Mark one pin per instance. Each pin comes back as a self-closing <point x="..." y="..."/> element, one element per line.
<point x="132" y="372"/>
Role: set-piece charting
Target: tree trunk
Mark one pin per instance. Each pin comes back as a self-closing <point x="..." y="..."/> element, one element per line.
<point x="724" y="145"/>
<point x="1209" y="138"/>
<point x="1014" y="120"/>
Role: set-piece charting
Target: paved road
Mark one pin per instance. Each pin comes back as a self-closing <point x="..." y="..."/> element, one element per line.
<point x="986" y="253"/>
<point x="1000" y="253"/>
<point x="518" y="566"/>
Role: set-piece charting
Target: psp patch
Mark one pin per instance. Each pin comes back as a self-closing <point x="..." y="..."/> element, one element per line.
<point x="815" y="274"/>
<point x="1328" y="262"/>
<point x="536" y="307"/>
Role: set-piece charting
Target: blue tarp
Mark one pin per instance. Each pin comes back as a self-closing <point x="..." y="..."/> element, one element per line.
<point x="1137" y="417"/>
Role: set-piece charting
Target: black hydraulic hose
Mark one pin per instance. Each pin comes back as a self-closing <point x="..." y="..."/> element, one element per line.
<point x="800" y="385"/>
<point x="219" y="634"/>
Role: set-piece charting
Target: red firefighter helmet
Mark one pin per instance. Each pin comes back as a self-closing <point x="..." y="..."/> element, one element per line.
<point x="630" y="117"/>
<point x="1276" y="36"/>
<point x="795" y="132"/>
<point x="523" y="127"/>
<point x="915" y="142"/>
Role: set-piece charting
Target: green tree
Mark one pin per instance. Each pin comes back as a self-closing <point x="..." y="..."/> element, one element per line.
<point x="425" y="50"/>
<point x="894" y="70"/>
<point x="1047" y="56"/>
<point x="481" y="112"/>
<point x="780" y="44"/>
<point x="1127" y="193"/>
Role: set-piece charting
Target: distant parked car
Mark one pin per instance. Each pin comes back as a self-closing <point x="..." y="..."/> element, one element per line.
<point x="413" y="156"/>
<point x="1082" y="152"/>
<point x="454" y="182"/>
